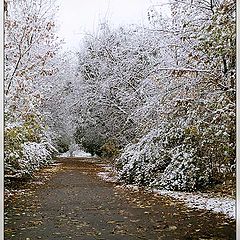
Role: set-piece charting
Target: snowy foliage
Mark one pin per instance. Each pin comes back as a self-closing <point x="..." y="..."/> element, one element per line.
<point x="30" y="44"/>
<point x="144" y="161"/>
<point x="26" y="149"/>
<point x="160" y="97"/>
<point x="185" y="172"/>
<point x="34" y="156"/>
<point x="162" y="159"/>
<point x="118" y="98"/>
<point x="201" y="106"/>
<point x="61" y="91"/>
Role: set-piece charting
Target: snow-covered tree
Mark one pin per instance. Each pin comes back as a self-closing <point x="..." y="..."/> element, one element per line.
<point x="121" y="71"/>
<point x="62" y="91"/>
<point x="159" y="97"/>
<point x="202" y="105"/>
<point x="30" y="43"/>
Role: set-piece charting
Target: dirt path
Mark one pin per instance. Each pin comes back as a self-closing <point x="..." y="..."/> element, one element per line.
<point x="74" y="203"/>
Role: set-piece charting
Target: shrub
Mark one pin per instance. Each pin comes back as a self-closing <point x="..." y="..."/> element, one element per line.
<point x="144" y="162"/>
<point x="109" y="149"/>
<point x="25" y="148"/>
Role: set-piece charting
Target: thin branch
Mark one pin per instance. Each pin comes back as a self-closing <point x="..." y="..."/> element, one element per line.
<point x="182" y="69"/>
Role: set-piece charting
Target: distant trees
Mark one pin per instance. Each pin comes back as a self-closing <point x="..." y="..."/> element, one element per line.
<point x="62" y="91"/>
<point x="115" y="67"/>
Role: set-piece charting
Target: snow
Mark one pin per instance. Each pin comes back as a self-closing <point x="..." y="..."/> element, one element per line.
<point x="13" y="125"/>
<point x="225" y="205"/>
<point x="202" y="201"/>
<point x="33" y="156"/>
<point x="197" y="200"/>
<point x="107" y="174"/>
<point x="77" y="153"/>
<point x="106" y="177"/>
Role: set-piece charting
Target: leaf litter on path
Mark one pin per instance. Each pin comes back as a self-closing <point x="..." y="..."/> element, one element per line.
<point x="73" y="205"/>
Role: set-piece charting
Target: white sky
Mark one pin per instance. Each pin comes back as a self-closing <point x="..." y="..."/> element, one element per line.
<point x="79" y="16"/>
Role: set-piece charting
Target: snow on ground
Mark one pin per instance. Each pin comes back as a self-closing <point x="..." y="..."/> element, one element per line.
<point x="225" y="205"/>
<point x="77" y="153"/>
<point x="203" y="201"/>
<point x="108" y="174"/>
<point x="106" y="177"/>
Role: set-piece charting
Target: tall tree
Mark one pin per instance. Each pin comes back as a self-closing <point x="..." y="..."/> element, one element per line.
<point x="30" y="43"/>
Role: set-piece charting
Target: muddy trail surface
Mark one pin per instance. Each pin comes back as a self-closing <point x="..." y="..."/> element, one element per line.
<point x="68" y="200"/>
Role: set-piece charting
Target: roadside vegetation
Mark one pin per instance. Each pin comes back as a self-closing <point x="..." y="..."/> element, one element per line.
<point x="159" y="100"/>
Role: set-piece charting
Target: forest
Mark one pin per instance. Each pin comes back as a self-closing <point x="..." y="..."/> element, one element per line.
<point x="158" y="100"/>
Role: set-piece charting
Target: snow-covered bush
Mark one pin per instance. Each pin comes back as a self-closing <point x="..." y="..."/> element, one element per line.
<point x="32" y="157"/>
<point x="144" y="162"/>
<point x="185" y="172"/>
<point x="26" y="148"/>
<point x="35" y="155"/>
<point x="174" y="157"/>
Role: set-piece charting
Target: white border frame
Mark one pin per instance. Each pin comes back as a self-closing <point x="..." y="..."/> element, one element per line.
<point x="1" y="120"/>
